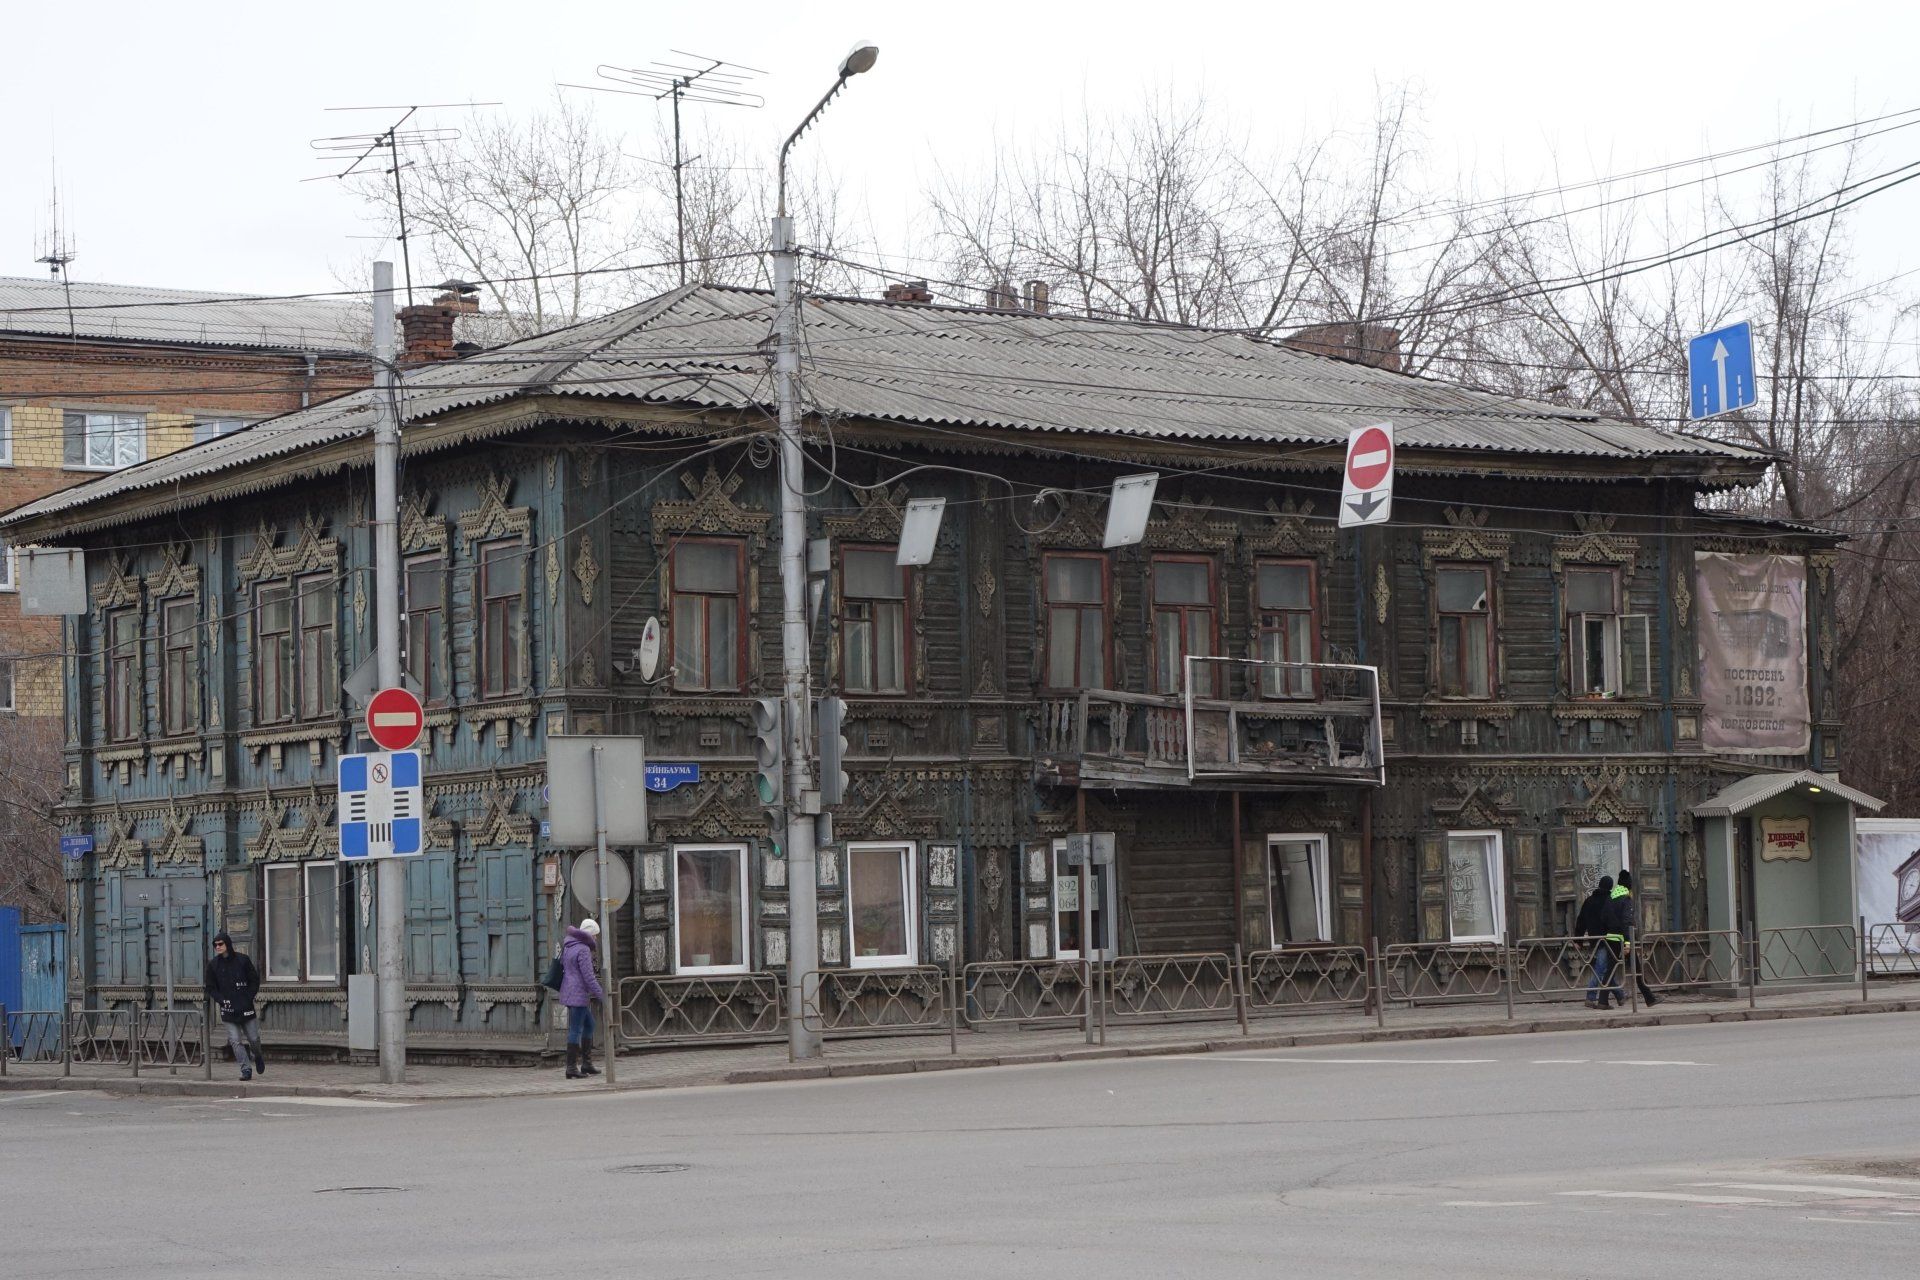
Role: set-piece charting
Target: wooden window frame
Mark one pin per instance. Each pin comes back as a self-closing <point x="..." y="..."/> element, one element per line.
<point x="324" y="708"/>
<point x="909" y="855"/>
<point x="289" y="693"/>
<point x="1321" y="864"/>
<point x="907" y="636"/>
<point x="513" y="638"/>
<point x="1261" y="630"/>
<point x="177" y="720"/>
<point x="1496" y="887"/>
<point x="745" y="919"/>
<point x="741" y="615"/>
<point x="129" y="663"/>
<point x="1104" y="609"/>
<point x="437" y="651"/>
<point x="1493" y="632"/>
<point x="1212" y="608"/>
<point x="304" y="915"/>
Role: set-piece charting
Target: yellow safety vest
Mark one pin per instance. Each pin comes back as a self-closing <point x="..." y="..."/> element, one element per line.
<point x="1618" y="893"/>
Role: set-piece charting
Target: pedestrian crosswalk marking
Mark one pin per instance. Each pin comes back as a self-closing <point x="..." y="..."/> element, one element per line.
<point x="1679" y="1196"/>
<point x="1801" y="1188"/>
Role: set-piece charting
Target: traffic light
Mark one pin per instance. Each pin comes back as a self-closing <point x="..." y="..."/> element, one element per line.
<point x="830" y="716"/>
<point x="769" y="753"/>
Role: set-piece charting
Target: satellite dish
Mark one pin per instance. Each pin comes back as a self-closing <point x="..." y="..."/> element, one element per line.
<point x="650" y="648"/>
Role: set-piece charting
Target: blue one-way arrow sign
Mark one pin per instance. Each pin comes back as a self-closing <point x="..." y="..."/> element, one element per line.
<point x="1720" y="372"/>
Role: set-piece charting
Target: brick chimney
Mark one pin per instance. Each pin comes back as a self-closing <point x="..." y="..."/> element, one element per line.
<point x="1037" y="294"/>
<point x="426" y="330"/>
<point x="1372" y="344"/>
<point x="1003" y="297"/>
<point x="908" y="291"/>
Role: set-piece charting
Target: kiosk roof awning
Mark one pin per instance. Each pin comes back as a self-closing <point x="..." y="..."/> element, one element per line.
<point x="1748" y="792"/>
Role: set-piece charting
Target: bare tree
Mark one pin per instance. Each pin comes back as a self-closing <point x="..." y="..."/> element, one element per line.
<point x="30" y="777"/>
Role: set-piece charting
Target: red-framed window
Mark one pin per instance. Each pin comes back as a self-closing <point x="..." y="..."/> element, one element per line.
<point x="1078" y="638"/>
<point x="1186" y="621"/>
<point x="709" y="636"/>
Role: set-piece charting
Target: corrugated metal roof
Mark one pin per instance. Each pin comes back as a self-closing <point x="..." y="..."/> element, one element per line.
<point x="135" y="313"/>
<point x="1748" y="792"/>
<point x="947" y="367"/>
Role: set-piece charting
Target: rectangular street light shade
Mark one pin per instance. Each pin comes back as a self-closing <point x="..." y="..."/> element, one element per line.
<point x="1128" y="509"/>
<point x="53" y="580"/>
<point x="919" y="530"/>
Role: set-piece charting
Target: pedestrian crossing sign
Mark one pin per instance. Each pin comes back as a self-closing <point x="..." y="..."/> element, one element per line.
<point x="382" y="806"/>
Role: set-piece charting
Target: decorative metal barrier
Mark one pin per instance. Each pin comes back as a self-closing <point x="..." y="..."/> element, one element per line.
<point x="876" y="1000"/>
<point x="33" y="1036"/>
<point x="101" y="1036"/>
<point x="1170" y="986"/>
<point x="1695" y="958"/>
<point x="1433" y="972"/>
<point x="1809" y="951"/>
<point x="1307" y="978"/>
<point x="667" y="1010"/>
<point x="1893" y="950"/>
<point x="1556" y="968"/>
<point x="171" y="1037"/>
<point x="1033" y="991"/>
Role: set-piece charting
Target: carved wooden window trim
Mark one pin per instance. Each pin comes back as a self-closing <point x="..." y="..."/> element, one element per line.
<point x="1440" y="616"/>
<point x="1102" y="611"/>
<point x="1268" y="620"/>
<point x="429" y="655"/>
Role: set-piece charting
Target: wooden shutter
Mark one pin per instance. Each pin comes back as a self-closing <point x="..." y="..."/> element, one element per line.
<point x="430" y="918"/>
<point x="506" y="915"/>
<point x="1256" y="908"/>
<point x="1645" y="846"/>
<point x="1636" y="656"/>
<point x="1433" y="886"/>
<point x="1564" y="873"/>
<point x="1350" y="891"/>
<point x="1526" y="880"/>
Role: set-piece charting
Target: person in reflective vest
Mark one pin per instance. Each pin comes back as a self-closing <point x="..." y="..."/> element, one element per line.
<point x="1620" y="931"/>
<point x="1592" y="923"/>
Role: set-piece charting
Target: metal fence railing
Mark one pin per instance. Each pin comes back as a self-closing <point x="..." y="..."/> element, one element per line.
<point x="1025" y="991"/>
<point x="1307" y="979"/>
<point x="1808" y="952"/>
<point x="1696" y="958"/>
<point x="1893" y="950"/>
<point x="1436" y="972"/>
<point x="1170" y="986"/>
<point x="1556" y="968"/>
<point x="132" y="1037"/>
<point x="871" y="1001"/>
<point x="669" y="1010"/>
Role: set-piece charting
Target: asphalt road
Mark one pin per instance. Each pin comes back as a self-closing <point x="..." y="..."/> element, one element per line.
<point x="1743" y="1150"/>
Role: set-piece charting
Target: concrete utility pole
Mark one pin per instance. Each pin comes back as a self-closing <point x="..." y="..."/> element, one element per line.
<point x="392" y="873"/>
<point x="802" y="800"/>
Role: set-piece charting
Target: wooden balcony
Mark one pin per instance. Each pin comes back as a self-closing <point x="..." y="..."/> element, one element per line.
<point x="1107" y="738"/>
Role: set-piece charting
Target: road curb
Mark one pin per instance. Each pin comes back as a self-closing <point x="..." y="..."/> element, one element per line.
<point x="233" y="1089"/>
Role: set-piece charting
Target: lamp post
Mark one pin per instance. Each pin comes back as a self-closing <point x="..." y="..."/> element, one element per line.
<point x="802" y="798"/>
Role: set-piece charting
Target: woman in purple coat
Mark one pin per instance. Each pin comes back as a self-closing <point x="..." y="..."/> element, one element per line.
<point x="579" y="988"/>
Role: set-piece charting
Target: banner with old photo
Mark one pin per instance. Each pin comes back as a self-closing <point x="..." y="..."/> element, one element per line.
<point x="1753" y="653"/>
<point x="1887" y="882"/>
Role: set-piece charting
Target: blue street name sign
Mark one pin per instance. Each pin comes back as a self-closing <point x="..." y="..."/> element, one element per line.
<point x="665" y="777"/>
<point x="382" y="805"/>
<point x="1720" y="372"/>
<point x="75" y="846"/>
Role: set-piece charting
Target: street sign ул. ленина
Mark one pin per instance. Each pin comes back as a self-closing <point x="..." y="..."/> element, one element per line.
<point x="1366" y="482"/>
<point x="1720" y="374"/>
<point x="382" y="806"/>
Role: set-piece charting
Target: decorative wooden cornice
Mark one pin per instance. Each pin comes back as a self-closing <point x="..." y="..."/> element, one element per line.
<point x="493" y="518"/>
<point x="1479" y="806"/>
<point x="421" y="532"/>
<point x="119" y="588"/>
<point x="1289" y="532"/>
<point x="310" y="552"/>
<point x="1605" y="803"/>
<point x="176" y="576"/>
<point x="1190" y="526"/>
<point x="879" y="520"/>
<point x="710" y="509"/>
<point x="1596" y="543"/>
<point x="1466" y="538"/>
<point x="280" y="839"/>
<point x="500" y="827"/>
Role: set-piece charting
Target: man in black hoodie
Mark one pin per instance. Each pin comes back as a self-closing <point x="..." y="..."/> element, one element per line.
<point x="1621" y="930"/>
<point x="231" y="983"/>
<point x="1592" y="923"/>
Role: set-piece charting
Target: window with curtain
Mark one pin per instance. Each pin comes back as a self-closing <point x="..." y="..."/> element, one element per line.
<point x="103" y="441"/>
<point x="319" y="603"/>
<point x="874" y="631"/>
<point x="1463" y="607"/>
<point x="426" y="609"/>
<point x="273" y="653"/>
<point x="1475" y="889"/>
<point x="301" y="907"/>
<point x="503" y="612"/>
<point x="180" y="669"/>
<point x="708" y="586"/>
<point x="880" y="905"/>
<point x="1184" y="623"/>
<point x="1297" y="889"/>
<point x="710" y="908"/>
<point x="1076" y="613"/>
<point x="124" y="681"/>
<point x="1284" y="602"/>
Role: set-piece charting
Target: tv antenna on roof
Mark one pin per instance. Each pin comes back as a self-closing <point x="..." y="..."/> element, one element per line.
<point x="700" y="79"/>
<point x="56" y="251"/>
<point x="358" y="148"/>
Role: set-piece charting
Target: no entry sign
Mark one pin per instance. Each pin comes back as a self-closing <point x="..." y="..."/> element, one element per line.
<point x="395" y="719"/>
<point x="1366" y="484"/>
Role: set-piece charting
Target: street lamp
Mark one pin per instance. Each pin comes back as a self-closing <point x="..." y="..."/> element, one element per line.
<point x="802" y="799"/>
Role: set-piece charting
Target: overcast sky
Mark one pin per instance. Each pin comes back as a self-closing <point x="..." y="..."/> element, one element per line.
<point x="181" y="130"/>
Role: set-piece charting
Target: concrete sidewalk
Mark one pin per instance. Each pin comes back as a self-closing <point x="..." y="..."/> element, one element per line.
<point x="892" y="1055"/>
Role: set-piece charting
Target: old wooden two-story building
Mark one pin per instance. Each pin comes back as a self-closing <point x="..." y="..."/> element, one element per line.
<point x="1495" y="698"/>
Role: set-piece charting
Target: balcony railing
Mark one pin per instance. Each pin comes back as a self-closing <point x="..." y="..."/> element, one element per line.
<point x="1322" y="726"/>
